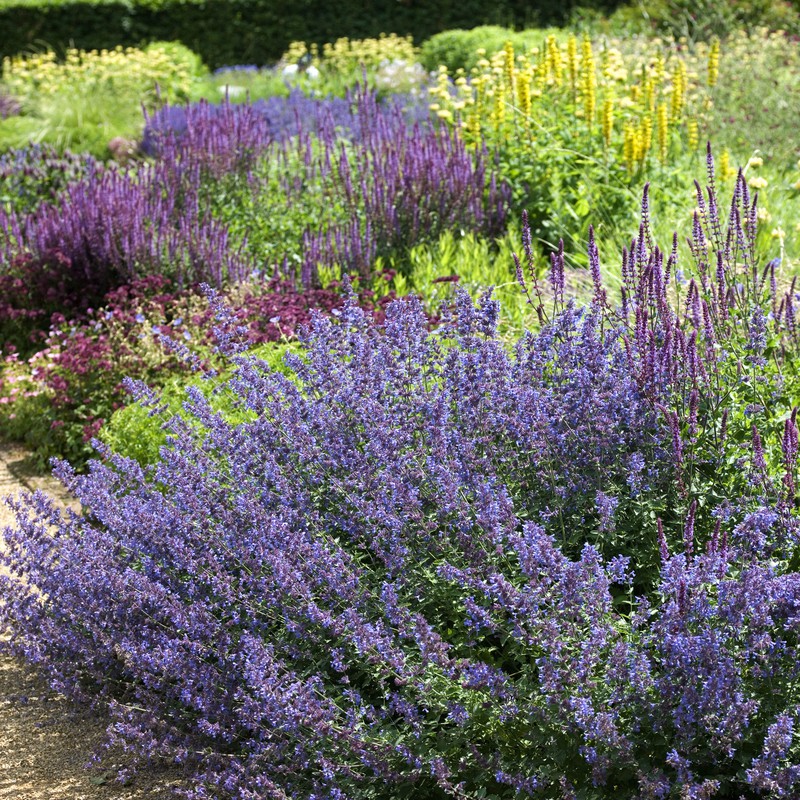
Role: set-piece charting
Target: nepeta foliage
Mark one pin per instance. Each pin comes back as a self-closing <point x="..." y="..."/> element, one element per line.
<point x="425" y="566"/>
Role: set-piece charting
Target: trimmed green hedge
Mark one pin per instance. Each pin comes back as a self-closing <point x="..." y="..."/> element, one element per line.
<point x="252" y="31"/>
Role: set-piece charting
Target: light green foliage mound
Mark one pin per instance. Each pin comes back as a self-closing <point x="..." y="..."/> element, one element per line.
<point x="135" y="432"/>
<point x="460" y="49"/>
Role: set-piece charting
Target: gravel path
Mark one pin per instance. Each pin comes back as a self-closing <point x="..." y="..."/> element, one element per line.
<point x="44" y="740"/>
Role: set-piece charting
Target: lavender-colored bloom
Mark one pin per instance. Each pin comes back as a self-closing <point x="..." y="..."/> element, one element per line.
<point x="772" y="771"/>
<point x="399" y="180"/>
<point x="619" y="569"/>
<point x="9" y="106"/>
<point x="606" y="506"/>
<point x="635" y="477"/>
<point x="115" y="226"/>
<point x="757" y="337"/>
<point x="382" y="574"/>
<point x="38" y="174"/>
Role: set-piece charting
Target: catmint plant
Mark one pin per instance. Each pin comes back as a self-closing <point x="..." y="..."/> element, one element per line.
<point x="424" y="564"/>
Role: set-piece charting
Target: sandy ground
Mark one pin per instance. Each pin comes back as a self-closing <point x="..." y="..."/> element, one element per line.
<point x="45" y="742"/>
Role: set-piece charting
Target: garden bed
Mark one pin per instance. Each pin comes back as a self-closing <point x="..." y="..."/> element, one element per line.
<point x="434" y="435"/>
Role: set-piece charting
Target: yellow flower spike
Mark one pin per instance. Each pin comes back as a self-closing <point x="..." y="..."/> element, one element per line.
<point x="553" y="58"/>
<point x="524" y="96"/>
<point x="588" y="81"/>
<point x="678" y="96"/>
<point x="608" y="118"/>
<point x="647" y="92"/>
<point x="692" y="134"/>
<point x="725" y="169"/>
<point x="653" y="93"/>
<point x="713" y="63"/>
<point x="509" y="67"/>
<point x="628" y="145"/>
<point x="605" y="65"/>
<point x="663" y="132"/>
<point x="572" y="62"/>
<point x="540" y="76"/>
<point x="645" y="136"/>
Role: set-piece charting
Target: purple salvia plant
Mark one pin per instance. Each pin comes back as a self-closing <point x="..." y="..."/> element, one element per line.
<point x="115" y="226"/>
<point x="398" y="182"/>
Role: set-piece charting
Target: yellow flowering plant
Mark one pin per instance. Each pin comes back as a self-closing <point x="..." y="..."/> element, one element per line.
<point x="164" y="68"/>
<point x="345" y="61"/>
<point x="89" y="98"/>
<point x="580" y="124"/>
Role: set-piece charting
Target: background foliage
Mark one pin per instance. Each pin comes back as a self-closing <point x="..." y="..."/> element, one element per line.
<point x="252" y="31"/>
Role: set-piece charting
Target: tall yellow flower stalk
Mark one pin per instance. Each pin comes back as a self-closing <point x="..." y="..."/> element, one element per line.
<point x="713" y="63"/>
<point x="510" y="68"/>
<point x="553" y="60"/>
<point x="645" y="137"/>
<point x="588" y="84"/>
<point x="678" y="96"/>
<point x="725" y="170"/>
<point x="524" y="79"/>
<point x="572" y="63"/>
<point x="499" y="106"/>
<point x="629" y="146"/>
<point x="634" y="105"/>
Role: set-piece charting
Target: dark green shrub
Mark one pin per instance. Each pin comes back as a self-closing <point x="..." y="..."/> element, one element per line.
<point x="251" y="31"/>
<point x="703" y="19"/>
